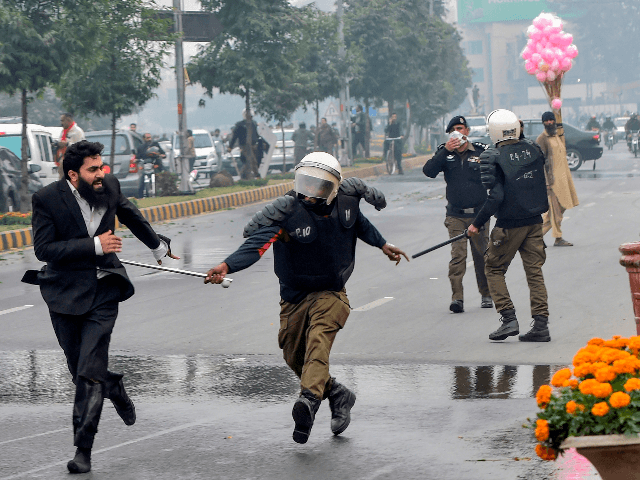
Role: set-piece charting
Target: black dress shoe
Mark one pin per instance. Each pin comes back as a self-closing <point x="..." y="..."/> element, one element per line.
<point x="81" y="463"/>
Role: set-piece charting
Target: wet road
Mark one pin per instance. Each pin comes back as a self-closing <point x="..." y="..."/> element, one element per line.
<point x="436" y="398"/>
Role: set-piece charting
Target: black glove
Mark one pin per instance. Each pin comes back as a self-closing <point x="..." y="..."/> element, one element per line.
<point x="166" y="240"/>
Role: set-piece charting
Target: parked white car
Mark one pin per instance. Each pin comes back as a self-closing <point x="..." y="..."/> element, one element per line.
<point x="207" y="161"/>
<point x="40" y="153"/>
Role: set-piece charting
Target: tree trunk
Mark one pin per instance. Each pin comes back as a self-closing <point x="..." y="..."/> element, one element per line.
<point x="284" y="150"/>
<point x="113" y="142"/>
<point x="315" y="140"/>
<point x="24" y="181"/>
<point x="367" y="131"/>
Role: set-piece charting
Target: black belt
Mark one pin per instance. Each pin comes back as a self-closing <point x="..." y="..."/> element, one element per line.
<point x="463" y="211"/>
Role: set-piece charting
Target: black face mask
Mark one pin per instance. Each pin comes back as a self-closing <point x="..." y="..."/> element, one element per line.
<point x="320" y="207"/>
<point x="551" y="129"/>
<point x="96" y="198"/>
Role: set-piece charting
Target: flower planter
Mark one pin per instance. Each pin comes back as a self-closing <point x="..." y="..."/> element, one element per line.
<point x="615" y="457"/>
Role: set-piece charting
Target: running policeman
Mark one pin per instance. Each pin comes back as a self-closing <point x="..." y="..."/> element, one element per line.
<point x="314" y="229"/>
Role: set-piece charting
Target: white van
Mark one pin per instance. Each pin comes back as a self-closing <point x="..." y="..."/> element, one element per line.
<point x="207" y="161"/>
<point x="39" y="151"/>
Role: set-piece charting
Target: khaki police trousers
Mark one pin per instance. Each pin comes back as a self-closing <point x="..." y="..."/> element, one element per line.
<point x="503" y="246"/>
<point x="458" y="262"/>
<point x="307" y="332"/>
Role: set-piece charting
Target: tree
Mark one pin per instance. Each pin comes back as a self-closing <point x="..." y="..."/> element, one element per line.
<point x="408" y="55"/>
<point x="35" y="43"/>
<point x="251" y="54"/>
<point x="127" y="65"/>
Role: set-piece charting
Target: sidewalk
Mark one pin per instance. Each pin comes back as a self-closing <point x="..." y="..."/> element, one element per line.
<point x="160" y="213"/>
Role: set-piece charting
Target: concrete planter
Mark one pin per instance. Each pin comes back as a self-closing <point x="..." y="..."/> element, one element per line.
<point x="616" y="457"/>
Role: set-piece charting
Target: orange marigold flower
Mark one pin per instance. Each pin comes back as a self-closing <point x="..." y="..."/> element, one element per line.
<point x="602" y="390"/>
<point x="582" y="370"/>
<point x="571" y="407"/>
<point x="544" y="395"/>
<point x="619" y="400"/>
<point x="610" y="355"/>
<point x="586" y="386"/>
<point x="583" y="356"/>
<point x="605" y="374"/>
<point x="595" y="341"/>
<point x="634" y="343"/>
<point x="560" y="377"/>
<point x="632" y="384"/>
<point x="600" y="409"/>
<point x="626" y="365"/>
<point x="546" y="453"/>
<point x="572" y="382"/>
<point x="542" y="430"/>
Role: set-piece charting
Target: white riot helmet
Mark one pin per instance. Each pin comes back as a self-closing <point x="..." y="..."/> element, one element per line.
<point x="503" y="125"/>
<point x="318" y="175"/>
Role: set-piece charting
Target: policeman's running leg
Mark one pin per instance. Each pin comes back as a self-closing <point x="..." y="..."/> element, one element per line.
<point x="341" y="400"/>
<point x="81" y="463"/>
<point x="304" y="413"/>
<point x="486" y="302"/>
<point x="539" y="332"/>
<point x="457" y="306"/>
<point x="509" y="325"/>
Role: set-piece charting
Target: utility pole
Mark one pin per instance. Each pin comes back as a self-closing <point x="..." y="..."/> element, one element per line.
<point x="345" y="117"/>
<point x="182" y="114"/>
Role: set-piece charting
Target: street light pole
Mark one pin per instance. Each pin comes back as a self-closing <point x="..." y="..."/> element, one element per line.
<point x="182" y="114"/>
<point x="345" y="130"/>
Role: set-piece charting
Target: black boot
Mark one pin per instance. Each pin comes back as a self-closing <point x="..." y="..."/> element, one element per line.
<point x="304" y="413"/>
<point x="341" y="400"/>
<point x="509" y="325"/>
<point x="114" y="391"/>
<point x="86" y="412"/>
<point x="539" y="332"/>
<point x="81" y="463"/>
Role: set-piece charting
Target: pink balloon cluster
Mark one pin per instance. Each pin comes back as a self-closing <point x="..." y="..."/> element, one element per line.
<point x="549" y="51"/>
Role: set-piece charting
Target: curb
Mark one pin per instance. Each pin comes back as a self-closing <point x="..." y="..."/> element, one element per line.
<point x="160" y="213"/>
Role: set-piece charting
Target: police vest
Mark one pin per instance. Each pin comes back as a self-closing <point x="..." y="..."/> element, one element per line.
<point x="525" y="190"/>
<point x="320" y="252"/>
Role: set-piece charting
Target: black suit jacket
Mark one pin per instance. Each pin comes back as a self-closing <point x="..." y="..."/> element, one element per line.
<point x="68" y="282"/>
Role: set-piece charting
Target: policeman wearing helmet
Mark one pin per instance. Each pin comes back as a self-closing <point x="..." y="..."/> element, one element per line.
<point x="314" y="229"/>
<point x="514" y="174"/>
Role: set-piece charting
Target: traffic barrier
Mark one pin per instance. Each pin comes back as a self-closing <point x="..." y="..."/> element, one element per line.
<point x="160" y="213"/>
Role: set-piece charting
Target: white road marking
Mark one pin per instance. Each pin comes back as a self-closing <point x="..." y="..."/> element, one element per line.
<point x="102" y="450"/>
<point x="16" y="309"/>
<point x="589" y="204"/>
<point x="34" y="436"/>
<point x="374" y="304"/>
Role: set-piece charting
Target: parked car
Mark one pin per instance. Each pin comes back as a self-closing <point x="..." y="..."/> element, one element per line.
<point x="581" y="146"/>
<point x="125" y="164"/>
<point x="620" y="122"/>
<point x="11" y="178"/>
<point x="288" y="153"/>
<point x="39" y="140"/>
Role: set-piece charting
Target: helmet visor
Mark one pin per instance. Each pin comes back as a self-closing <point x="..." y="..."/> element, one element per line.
<point x="313" y="187"/>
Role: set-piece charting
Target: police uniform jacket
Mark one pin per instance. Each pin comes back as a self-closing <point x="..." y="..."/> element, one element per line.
<point x="465" y="192"/>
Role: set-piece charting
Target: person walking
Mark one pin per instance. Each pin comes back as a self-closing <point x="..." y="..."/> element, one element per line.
<point x="459" y="160"/>
<point x="393" y="130"/>
<point x="83" y="281"/>
<point x="561" y="191"/>
<point x="245" y="133"/>
<point x="314" y="229"/>
<point x="301" y="138"/>
<point x="359" y="126"/>
<point x="327" y="137"/>
<point x="514" y="173"/>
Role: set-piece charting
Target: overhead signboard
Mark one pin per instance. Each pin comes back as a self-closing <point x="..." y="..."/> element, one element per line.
<point x="485" y="11"/>
<point x="196" y="26"/>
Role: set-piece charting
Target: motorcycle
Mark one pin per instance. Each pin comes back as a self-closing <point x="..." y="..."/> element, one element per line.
<point x="148" y="168"/>
<point x="609" y="139"/>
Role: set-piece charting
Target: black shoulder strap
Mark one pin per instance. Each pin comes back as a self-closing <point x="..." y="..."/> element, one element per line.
<point x="275" y="212"/>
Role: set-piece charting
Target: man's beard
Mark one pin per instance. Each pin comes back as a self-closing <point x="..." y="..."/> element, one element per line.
<point x="95" y="198"/>
<point x="551" y="129"/>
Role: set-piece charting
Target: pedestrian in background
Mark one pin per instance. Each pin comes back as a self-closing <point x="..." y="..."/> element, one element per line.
<point x="314" y="230"/>
<point x="358" y="127"/>
<point x="301" y="138"/>
<point x="459" y="160"/>
<point x="327" y="137"/>
<point x="514" y="173"/>
<point x="83" y="281"/>
<point x="393" y="130"/>
<point x="243" y="130"/>
<point x="190" y="152"/>
<point x="560" y="188"/>
<point x="71" y="133"/>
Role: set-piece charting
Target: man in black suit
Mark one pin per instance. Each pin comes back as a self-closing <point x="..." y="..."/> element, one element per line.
<point x="83" y="281"/>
